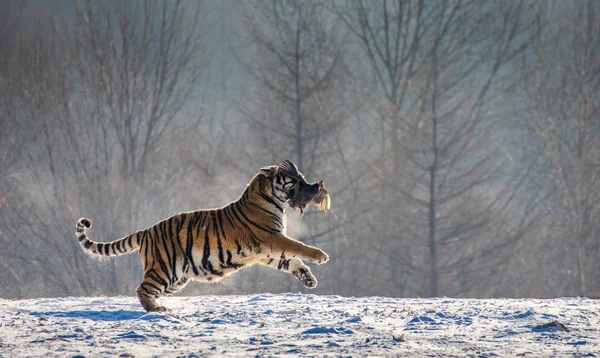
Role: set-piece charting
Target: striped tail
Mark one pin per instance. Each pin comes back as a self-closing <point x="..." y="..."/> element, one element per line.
<point x="114" y="248"/>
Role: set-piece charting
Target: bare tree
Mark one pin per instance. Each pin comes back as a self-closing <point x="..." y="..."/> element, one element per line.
<point x="9" y="150"/>
<point x="305" y="96"/>
<point x="439" y="67"/>
<point x="560" y="78"/>
<point x="99" y="101"/>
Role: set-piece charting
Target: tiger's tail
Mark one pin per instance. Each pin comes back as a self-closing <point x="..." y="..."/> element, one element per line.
<point x="114" y="248"/>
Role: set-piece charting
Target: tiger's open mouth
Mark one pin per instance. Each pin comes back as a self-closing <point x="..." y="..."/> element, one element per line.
<point x="304" y="195"/>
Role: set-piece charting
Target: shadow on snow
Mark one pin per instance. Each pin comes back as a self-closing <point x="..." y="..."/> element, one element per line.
<point x="103" y="315"/>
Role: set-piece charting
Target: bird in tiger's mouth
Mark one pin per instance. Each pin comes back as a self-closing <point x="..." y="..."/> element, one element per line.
<point x="304" y="192"/>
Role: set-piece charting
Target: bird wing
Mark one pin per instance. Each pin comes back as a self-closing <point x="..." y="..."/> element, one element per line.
<point x="323" y="200"/>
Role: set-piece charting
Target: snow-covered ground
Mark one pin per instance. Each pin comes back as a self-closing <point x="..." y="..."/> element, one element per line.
<point x="299" y="325"/>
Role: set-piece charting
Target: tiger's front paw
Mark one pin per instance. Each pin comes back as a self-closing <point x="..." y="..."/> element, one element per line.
<point x="319" y="257"/>
<point x="305" y="277"/>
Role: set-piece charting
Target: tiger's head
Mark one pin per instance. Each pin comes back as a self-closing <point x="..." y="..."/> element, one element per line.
<point x="287" y="184"/>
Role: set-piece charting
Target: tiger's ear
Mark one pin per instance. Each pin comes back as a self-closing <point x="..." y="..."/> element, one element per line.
<point x="269" y="171"/>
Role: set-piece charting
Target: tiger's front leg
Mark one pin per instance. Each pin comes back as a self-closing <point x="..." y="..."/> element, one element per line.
<point x="282" y="245"/>
<point x="294" y="266"/>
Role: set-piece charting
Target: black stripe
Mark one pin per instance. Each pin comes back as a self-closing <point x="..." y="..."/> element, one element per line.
<point x="252" y="236"/>
<point x="129" y="246"/>
<point x="139" y="238"/>
<point x="266" y="229"/>
<point x="271" y="215"/>
<point x="162" y="239"/>
<point x="219" y="245"/>
<point x="158" y="289"/>
<point x="227" y="215"/>
<point x="271" y="201"/>
<point x="165" y="235"/>
<point x="118" y="245"/>
<point x="146" y="283"/>
<point x="144" y="251"/>
<point x="229" y="258"/>
<point x="156" y="233"/>
<point x="88" y="244"/>
<point x="156" y="277"/>
<point x="151" y="293"/>
<point x="173" y="250"/>
<point x="179" y="227"/>
<point x="220" y="216"/>
<point x="203" y="226"/>
<point x="163" y="266"/>
<point x="152" y="249"/>
<point x="283" y="264"/>
<point x="230" y="263"/>
<point x="188" y="247"/>
<point x="182" y="217"/>
<point x="238" y="247"/>
<point x="159" y="257"/>
<point x="282" y="257"/>
<point x="226" y="210"/>
<point x="205" y="263"/>
<point x="154" y="237"/>
<point x="146" y="242"/>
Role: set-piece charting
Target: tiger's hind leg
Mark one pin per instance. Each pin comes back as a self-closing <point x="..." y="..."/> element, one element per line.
<point x="148" y="300"/>
<point x="294" y="266"/>
<point x="177" y="286"/>
<point x="151" y="288"/>
<point x="148" y="293"/>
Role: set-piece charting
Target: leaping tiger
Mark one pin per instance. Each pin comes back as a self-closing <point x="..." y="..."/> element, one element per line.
<point x="208" y="245"/>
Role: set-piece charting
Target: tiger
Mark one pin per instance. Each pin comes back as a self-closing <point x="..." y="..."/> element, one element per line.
<point x="208" y="245"/>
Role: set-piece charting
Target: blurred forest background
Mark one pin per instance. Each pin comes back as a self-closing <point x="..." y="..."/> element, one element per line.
<point x="460" y="139"/>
